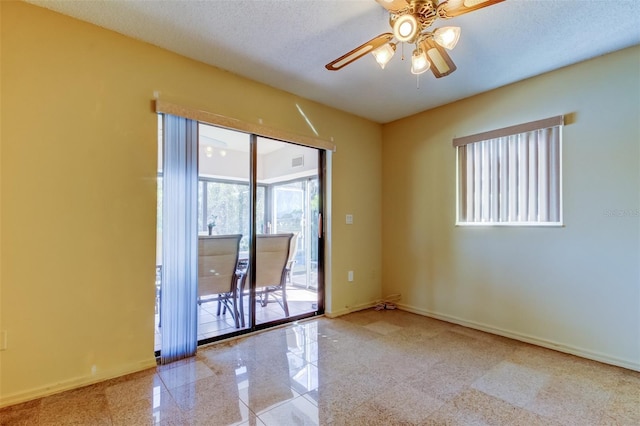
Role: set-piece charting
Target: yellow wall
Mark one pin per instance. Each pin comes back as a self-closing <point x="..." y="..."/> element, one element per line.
<point x="577" y="287"/>
<point x="1" y="327"/>
<point x="78" y="166"/>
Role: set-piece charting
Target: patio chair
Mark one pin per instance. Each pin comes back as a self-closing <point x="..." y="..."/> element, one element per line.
<point x="217" y="277"/>
<point x="291" y="260"/>
<point x="272" y="255"/>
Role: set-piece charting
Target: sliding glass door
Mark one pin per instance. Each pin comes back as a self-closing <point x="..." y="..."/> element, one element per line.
<point x="268" y="195"/>
<point x="290" y="175"/>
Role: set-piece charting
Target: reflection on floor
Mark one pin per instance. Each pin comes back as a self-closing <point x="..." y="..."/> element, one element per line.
<point x="366" y="368"/>
<point x="210" y="324"/>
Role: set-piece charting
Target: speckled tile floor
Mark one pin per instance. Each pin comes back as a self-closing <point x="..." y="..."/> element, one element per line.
<point x="366" y="368"/>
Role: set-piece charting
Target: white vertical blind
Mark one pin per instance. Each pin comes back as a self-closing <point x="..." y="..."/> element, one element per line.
<point x="511" y="179"/>
<point x="179" y="239"/>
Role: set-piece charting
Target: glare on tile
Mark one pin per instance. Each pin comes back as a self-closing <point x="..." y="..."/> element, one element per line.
<point x="156" y="396"/>
<point x="306" y="379"/>
<point x="296" y="411"/>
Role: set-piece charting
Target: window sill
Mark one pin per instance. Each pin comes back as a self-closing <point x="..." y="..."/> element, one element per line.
<point x="511" y="224"/>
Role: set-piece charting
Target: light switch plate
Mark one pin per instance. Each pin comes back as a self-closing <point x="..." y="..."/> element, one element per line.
<point x="349" y="219"/>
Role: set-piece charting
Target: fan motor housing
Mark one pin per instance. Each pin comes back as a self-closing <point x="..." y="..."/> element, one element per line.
<point x="425" y="12"/>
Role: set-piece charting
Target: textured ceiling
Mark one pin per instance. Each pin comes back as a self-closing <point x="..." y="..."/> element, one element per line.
<point x="286" y="44"/>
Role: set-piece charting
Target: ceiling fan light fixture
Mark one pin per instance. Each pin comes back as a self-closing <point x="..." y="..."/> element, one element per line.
<point x="419" y="62"/>
<point x="447" y="37"/>
<point x="384" y="53"/>
<point x="405" y="28"/>
<point x="411" y="22"/>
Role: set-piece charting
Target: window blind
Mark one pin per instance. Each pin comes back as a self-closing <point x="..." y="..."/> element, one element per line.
<point x="511" y="178"/>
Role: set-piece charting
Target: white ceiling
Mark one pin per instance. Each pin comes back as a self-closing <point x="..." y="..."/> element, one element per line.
<point x="286" y="44"/>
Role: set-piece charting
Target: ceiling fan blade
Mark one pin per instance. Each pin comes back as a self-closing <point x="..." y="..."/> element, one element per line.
<point x="359" y="52"/>
<point x="441" y="63"/>
<point x="393" y="5"/>
<point x="460" y="7"/>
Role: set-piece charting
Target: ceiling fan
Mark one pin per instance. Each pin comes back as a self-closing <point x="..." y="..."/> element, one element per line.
<point x="410" y="21"/>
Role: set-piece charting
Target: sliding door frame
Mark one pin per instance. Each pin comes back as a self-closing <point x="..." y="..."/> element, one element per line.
<point x="255" y="131"/>
<point x="320" y="308"/>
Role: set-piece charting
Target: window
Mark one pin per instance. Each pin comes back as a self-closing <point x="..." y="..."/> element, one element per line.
<point x="511" y="176"/>
<point x="225" y="206"/>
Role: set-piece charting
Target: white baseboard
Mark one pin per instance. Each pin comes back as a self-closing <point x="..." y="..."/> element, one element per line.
<point x="351" y="309"/>
<point x="74" y="383"/>
<point x="573" y="350"/>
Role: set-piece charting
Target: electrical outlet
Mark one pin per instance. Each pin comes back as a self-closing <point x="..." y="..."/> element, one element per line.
<point x="349" y="219"/>
<point x="350" y="276"/>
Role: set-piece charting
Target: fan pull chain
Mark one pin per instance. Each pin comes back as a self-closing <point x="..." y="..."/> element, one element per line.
<point x="417" y="81"/>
